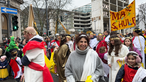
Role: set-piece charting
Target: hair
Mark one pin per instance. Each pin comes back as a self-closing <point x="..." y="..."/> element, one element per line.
<point x="113" y="33"/>
<point x="14" y="53"/>
<point x="63" y="40"/>
<point x="131" y="46"/>
<point x="100" y="35"/>
<point x="107" y="31"/>
<point x="102" y="49"/>
<point x="68" y="37"/>
<point x="30" y="30"/>
<point x="117" y="45"/>
<point x="80" y="36"/>
<point x="27" y="32"/>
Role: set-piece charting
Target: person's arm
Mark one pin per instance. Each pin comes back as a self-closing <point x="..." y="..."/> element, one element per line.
<point x="30" y="55"/>
<point x="120" y="74"/>
<point x="124" y="51"/>
<point x="109" y="60"/>
<point x="144" y="80"/>
<point x="68" y="71"/>
<point x="6" y="64"/>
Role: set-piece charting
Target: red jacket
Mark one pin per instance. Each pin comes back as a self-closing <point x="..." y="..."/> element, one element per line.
<point x="101" y="44"/>
<point x="56" y="42"/>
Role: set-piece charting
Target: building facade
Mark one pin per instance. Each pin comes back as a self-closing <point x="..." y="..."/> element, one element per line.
<point x="101" y="13"/>
<point x="82" y="18"/>
<point x="4" y="29"/>
<point x="142" y="17"/>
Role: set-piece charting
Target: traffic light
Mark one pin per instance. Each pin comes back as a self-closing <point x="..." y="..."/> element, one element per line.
<point x="61" y="18"/>
<point x="49" y="33"/>
<point x="15" y="23"/>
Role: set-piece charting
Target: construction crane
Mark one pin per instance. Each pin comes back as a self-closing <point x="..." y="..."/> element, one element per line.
<point x="63" y="27"/>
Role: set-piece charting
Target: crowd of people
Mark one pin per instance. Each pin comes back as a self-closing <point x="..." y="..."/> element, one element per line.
<point x="102" y="57"/>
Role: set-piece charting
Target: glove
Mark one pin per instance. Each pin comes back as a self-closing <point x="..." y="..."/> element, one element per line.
<point x="89" y="79"/>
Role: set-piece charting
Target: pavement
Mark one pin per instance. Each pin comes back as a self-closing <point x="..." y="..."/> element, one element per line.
<point x="11" y="79"/>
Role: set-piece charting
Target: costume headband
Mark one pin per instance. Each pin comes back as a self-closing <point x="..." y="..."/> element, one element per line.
<point x="127" y="38"/>
<point x="133" y="52"/>
<point x="117" y="38"/>
<point x="62" y="38"/>
<point x="99" y="34"/>
<point x="15" y="52"/>
<point x="82" y="35"/>
<point x="137" y="30"/>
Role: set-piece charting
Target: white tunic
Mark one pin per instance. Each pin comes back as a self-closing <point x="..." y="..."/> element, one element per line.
<point x="113" y="61"/>
<point x="93" y="42"/>
<point x="70" y="45"/>
<point x="36" y="56"/>
<point x="107" y="39"/>
<point x="139" y="43"/>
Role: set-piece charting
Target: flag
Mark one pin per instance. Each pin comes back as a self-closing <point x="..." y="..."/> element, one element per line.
<point x="31" y="16"/>
<point x="31" y="22"/>
<point x="123" y="19"/>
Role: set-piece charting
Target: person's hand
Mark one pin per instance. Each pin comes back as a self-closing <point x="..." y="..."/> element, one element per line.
<point x="109" y="65"/>
<point x="53" y="44"/>
<point x="0" y="66"/>
<point x="3" y="66"/>
<point x="118" y="60"/>
<point x="22" y="77"/>
<point x="56" y="48"/>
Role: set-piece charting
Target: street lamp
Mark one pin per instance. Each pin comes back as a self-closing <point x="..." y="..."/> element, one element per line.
<point x="47" y="18"/>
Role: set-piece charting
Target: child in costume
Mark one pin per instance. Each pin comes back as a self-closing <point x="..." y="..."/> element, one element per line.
<point x="12" y="44"/>
<point x="3" y="68"/>
<point x="128" y="43"/>
<point x="129" y="70"/>
<point x="117" y="52"/>
<point x="103" y="56"/>
<point x="16" y="64"/>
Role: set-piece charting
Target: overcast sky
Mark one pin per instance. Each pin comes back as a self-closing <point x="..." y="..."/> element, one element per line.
<point x="79" y="3"/>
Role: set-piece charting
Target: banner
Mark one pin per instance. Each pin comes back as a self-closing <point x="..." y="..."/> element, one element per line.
<point x="124" y="18"/>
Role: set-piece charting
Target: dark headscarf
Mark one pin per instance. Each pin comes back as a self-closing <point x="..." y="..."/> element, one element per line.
<point x="138" y="31"/>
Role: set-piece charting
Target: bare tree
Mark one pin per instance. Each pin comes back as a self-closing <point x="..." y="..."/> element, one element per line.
<point x="54" y="7"/>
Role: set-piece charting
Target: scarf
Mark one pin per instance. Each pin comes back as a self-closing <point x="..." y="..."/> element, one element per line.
<point x="89" y="65"/>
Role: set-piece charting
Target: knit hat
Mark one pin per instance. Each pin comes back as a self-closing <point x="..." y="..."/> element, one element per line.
<point x="138" y="31"/>
<point x="3" y="57"/>
<point x="138" y="59"/>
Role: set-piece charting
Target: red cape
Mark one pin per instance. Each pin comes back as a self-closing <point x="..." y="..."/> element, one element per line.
<point x="32" y="45"/>
<point x="14" y="66"/>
